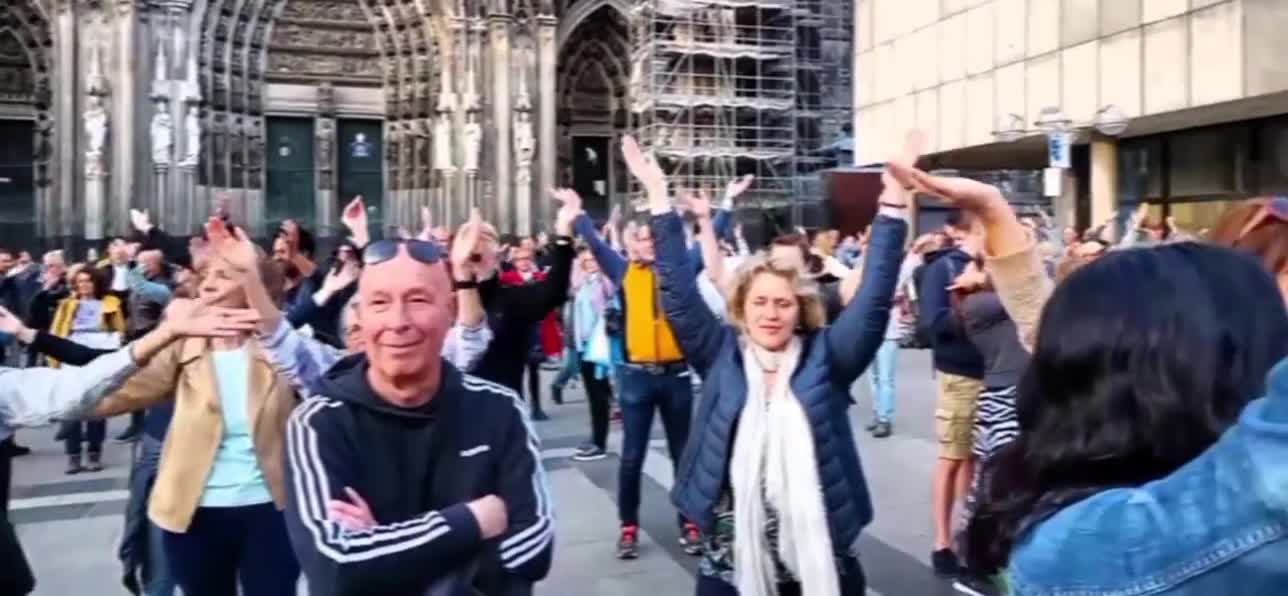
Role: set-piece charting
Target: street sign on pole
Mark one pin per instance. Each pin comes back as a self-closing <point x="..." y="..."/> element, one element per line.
<point x="1058" y="149"/>
<point x="1052" y="182"/>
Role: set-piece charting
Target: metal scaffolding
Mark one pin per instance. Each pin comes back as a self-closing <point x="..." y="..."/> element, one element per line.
<point x="714" y="94"/>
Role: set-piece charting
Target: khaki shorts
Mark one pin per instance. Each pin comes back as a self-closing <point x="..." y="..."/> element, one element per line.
<point x="955" y="414"/>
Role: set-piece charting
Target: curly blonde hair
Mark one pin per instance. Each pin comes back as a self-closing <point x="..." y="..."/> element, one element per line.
<point x="813" y="315"/>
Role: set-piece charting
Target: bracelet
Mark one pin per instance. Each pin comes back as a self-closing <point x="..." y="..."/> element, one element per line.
<point x="563" y="240"/>
<point x="471" y="284"/>
<point x="892" y="205"/>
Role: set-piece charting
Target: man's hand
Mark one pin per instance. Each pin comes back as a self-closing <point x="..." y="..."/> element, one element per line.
<point x="569" y="209"/>
<point x="914" y="144"/>
<point x="645" y="169"/>
<point x="192" y="318"/>
<point x="491" y="515"/>
<point x="232" y="246"/>
<point x="353" y="515"/>
<point x="466" y="246"/>
<point x="141" y="221"/>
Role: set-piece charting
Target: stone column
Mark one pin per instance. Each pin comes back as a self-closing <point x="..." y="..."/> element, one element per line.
<point x="500" y="211"/>
<point x="66" y="166"/>
<point x="547" y="150"/>
<point x="125" y="106"/>
<point x="324" y="147"/>
<point x="1104" y="179"/>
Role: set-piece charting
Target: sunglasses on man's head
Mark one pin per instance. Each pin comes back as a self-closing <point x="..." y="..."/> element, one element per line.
<point x="383" y="250"/>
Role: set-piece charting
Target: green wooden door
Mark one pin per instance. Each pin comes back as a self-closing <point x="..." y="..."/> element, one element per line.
<point x="361" y="144"/>
<point x="17" y="184"/>
<point x="291" y="175"/>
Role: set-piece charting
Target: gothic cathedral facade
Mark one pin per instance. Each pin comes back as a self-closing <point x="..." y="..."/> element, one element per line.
<point x="277" y="109"/>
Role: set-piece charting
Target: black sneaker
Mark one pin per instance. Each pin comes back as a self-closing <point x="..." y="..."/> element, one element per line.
<point x="130" y="435"/>
<point x="883" y="429"/>
<point x="16" y="450"/>
<point x="627" y="543"/>
<point x="556" y="394"/>
<point x="691" y="538"/>
<point x="945" y="562"/>
<point x="591" y="454"/>
<point x="872" y="425"/>
<point x="969" y="583"/>
<point x="540" y="416"/>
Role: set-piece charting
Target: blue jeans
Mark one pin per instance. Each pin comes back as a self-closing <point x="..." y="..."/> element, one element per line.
<point x="570" y="370"/>
<point x="141" y="539"/>
<point x="227" y="546"/>
<point x="881" y="378"/>
<point x="640" y="392"/>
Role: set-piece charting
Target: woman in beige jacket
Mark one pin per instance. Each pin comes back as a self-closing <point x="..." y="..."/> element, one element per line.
<point x="219" y="489"/>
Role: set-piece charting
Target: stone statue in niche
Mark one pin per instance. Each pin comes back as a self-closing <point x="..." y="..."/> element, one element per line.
<point x="326" y="144"/>
<point x="393" y="138"/>
<point x="254" y="145"/>
<point x="473" y="140"/>
<point x="423" y="163"/>
<point x="162" y="134"/>
<point x="236" y="150"/>
<point x="525" y="144"/>
<point x="326" y="99"/>
<point x="96" y="125"/>
<point x="443" y="142"/>
<point x="192" y="135"/>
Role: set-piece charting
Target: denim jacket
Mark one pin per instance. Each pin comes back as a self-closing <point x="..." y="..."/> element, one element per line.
<point x="1216" y="526"/>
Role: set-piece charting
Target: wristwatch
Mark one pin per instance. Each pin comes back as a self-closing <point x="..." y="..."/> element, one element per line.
<point x="469" y="284"/>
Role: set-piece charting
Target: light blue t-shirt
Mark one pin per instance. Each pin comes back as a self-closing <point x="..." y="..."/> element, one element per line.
<point x="235" y="479"/>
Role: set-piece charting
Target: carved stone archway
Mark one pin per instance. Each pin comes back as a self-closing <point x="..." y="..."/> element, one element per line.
<point x="26" y="27"/>
<point x="593" y="82"/>
<point x="235" y="62"/>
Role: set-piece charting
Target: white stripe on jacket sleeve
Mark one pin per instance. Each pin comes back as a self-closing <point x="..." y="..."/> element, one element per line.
<point x="523" y="546"/>
<point x="313" y="492"/>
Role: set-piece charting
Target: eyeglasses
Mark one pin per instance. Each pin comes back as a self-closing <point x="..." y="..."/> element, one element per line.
<point x="1275" y="208"/>
<point x="378" y="252"/>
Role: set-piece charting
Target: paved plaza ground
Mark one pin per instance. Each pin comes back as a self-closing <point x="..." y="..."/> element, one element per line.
<point x="71" y="524"/>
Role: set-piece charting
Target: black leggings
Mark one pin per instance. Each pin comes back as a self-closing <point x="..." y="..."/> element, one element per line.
<point x="534" y="386"/>
<point x="599" y="394"/>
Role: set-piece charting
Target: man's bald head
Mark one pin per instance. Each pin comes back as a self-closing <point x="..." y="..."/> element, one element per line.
<point x="404" y="312"/>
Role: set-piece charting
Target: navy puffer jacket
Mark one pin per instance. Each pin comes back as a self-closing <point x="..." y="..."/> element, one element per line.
<point x="831" y="359"/>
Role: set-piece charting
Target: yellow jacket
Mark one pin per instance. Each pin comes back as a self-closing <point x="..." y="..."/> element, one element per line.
<point x="185" y="372"/>
<point x="113" y="318"/>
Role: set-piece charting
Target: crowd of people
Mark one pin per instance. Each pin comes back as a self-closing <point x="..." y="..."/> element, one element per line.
<point x="1109" y="412"/>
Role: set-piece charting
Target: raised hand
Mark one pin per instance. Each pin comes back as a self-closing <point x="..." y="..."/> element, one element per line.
<point x="643" y="167"/>
<point x="971" y="195"/>
<point x="141" y="220"/>
<point x="353" y="515"/>
<point x="354" y="218"/>
<point x="466" y="246"/>
<point x="914" y="144"/>
<point x="193" y="318"/>
<point x="339" y="279"/>
<point x="737" y="186"/>
<point x="569" y="209"/>
<point x="232" y="246"/>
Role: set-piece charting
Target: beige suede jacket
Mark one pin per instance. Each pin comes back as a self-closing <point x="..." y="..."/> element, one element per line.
<point x="185" y="371"/>
<point x="1023" y="286"/>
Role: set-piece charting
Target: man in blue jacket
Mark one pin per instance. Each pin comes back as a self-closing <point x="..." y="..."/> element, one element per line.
<point x="960" y="370"/>
<point x="406" y="475"/>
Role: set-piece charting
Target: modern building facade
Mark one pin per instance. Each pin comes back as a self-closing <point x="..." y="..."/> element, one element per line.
<point x="279" y="109"/>
<point x="1201" y="83"/>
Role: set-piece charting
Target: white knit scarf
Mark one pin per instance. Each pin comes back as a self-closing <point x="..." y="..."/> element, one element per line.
<point x="773" y="459"/>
